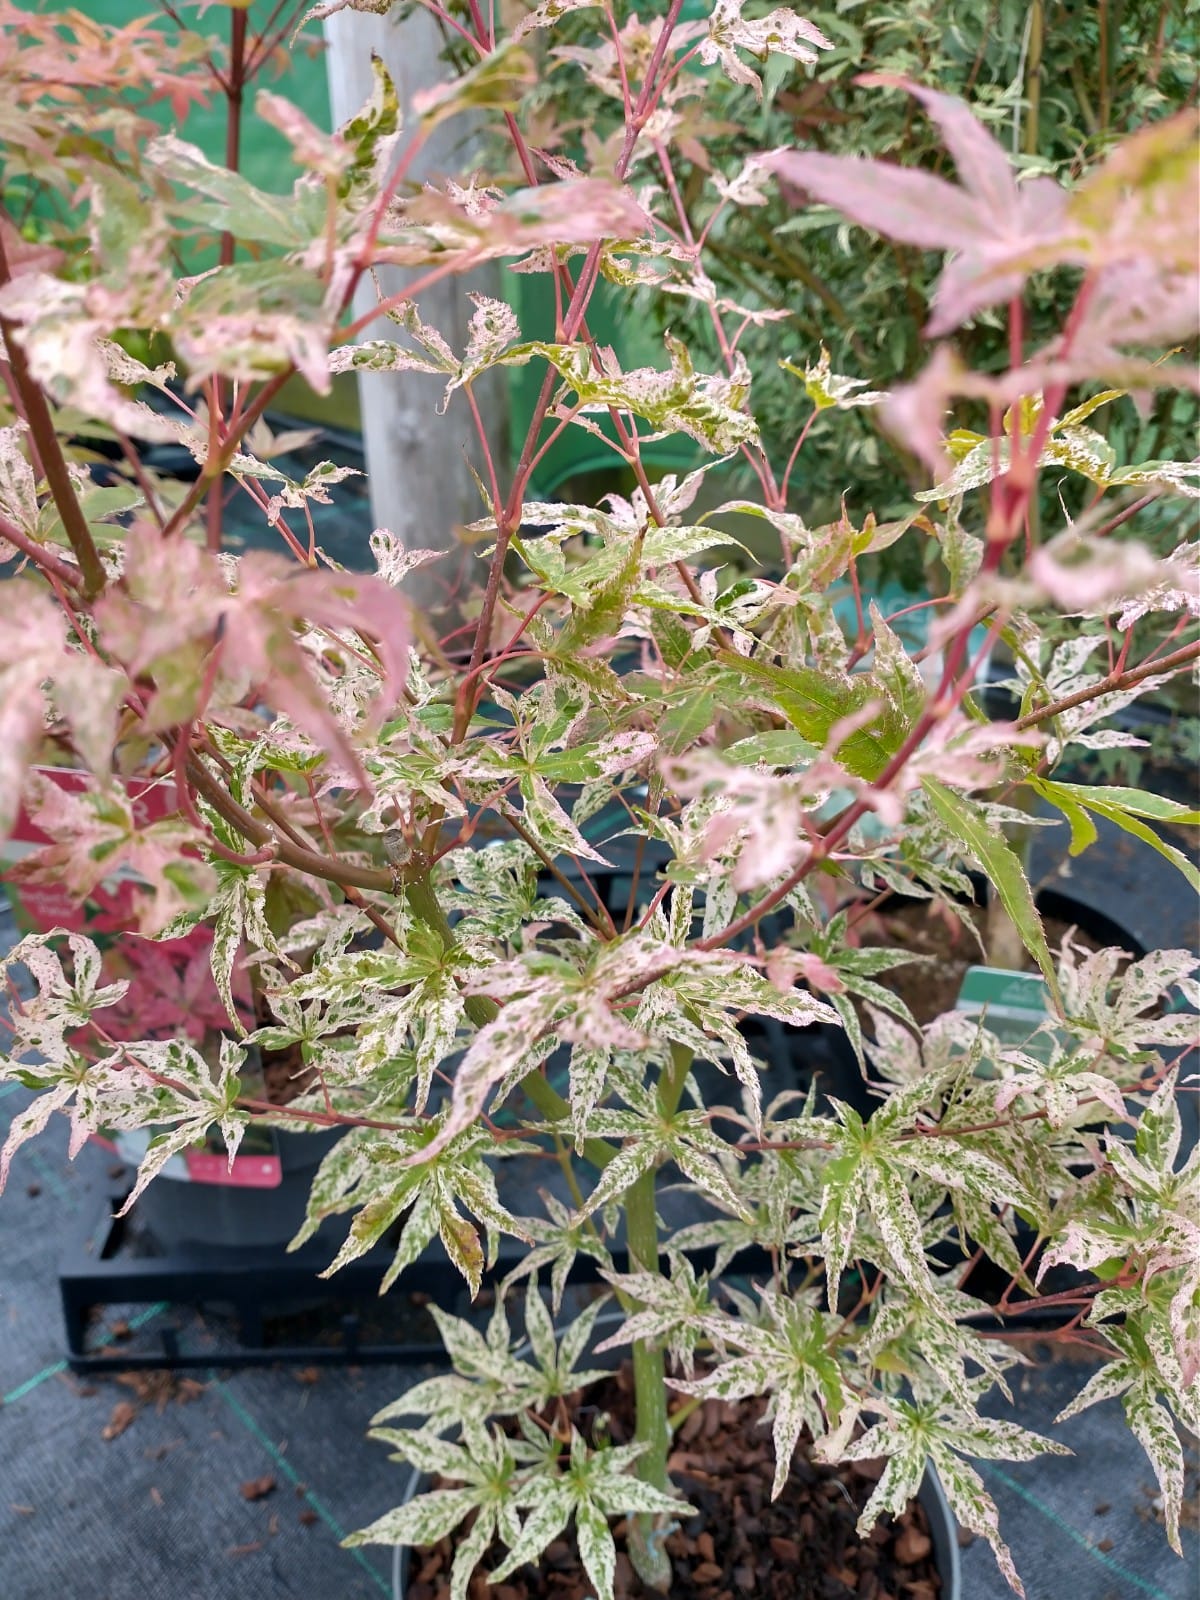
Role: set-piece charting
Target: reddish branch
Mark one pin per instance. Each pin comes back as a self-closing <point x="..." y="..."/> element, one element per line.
<point x="331" y="869"/>
<point x="46" y="559"/>
<point x="1113" y="682"/>
<point x="49" y="449"/>
<point x="508" y="518"/>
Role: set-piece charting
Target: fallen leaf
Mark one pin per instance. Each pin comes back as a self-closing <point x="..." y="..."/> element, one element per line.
<point x="258" y="1488"/>
<point x="156" y="1495"/>
<point x="157" y="1451"/>
<point x="23" y="1511"/>
<point x="123" y="1414"/>
<point x="244" y="1549"/>
<point x="161" y="1386"/>
<point x="308" y="1375"/>
<point x="308" y="1517"/>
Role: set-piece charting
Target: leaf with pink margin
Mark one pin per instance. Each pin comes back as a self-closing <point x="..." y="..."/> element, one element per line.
<point x="95" y="833"/>
<point x="175" y="599"/>
<point x="496" y="81"/>
<point x="577" y="211"/>
<point x="312" y="147"/>
<point x="900" y="203"/>
<point x="18" y="488"/>
<point x="34" y="657"/>
<point x="983" y="165"/>
<point x="996" y="230"/>
<point x="31" y="1121"/>
<point x="548" y="13"/>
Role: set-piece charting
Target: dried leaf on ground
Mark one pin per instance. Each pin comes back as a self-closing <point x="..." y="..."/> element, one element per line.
<point x="123" y="1414"/>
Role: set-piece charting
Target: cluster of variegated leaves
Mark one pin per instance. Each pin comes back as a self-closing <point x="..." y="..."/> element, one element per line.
<point x="774" y="764"/>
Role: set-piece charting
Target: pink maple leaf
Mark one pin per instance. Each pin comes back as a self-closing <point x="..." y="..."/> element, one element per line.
<point x="995" y="229"/>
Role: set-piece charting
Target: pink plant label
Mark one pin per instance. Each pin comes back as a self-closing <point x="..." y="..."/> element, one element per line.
<point x="248" y="1172"/>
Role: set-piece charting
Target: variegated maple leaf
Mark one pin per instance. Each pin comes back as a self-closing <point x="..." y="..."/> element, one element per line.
<point x="1151" y="1222"/>
<point x="1147" y="1377"/>
<point x="788" y="1358"/>
<point x="677" y="1312"/>
<point x="995" y="229"/>
<point x="399" y="1177"/>
<point x="872" y="1166"/>
<point x="486" y="1469"/>
<point x="165" y="1086"/>
<point x="914" y="1434"/>
<point x="98" y="833"/>
<point x="34" y="658"/>
<point x="549" y="995"/>
<point x="176" y="609"/>
<point x="1113" y="1018"/>
<point x="780" y="32"/>
<point x="596" y="1487"/>
<point x="494" y="1373"/>
<point x="555" y="1242"/>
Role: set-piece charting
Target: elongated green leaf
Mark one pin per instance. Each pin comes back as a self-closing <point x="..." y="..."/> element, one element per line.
<point x="1125" y="808"/>
<point x="607" y="604"/>
<point x="1140" y="830"/>
<point x="1005" y="873"/>
<point x="1140" y="801"/>
<point x="1083" y="829"/>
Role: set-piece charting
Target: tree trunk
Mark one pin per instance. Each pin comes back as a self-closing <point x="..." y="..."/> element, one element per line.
<point x="420" y="485"/>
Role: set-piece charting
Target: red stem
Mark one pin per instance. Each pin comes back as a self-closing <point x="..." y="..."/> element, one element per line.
<point x="40" y="556"/>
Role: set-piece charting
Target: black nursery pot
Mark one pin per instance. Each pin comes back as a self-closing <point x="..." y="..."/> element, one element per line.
<point x="943" y="1530"/>
<point x="227" y="1217"/>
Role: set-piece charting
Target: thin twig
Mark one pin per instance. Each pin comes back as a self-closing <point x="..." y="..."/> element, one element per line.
<point x="40" y="556"/>
<point x="1110" y="684"/>
<point x="54" y="462"/>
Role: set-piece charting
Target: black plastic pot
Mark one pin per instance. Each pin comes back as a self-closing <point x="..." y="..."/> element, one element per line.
<point x="229" y="1218"/>
<point x="943" y="1530"/>
<point x="841" y="1077"/>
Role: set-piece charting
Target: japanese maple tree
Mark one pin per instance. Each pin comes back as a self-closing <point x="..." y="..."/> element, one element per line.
<point x="757" y="746"/>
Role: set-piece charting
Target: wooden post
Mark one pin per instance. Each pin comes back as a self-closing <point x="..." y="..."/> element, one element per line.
<point x="420" y="484"/>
